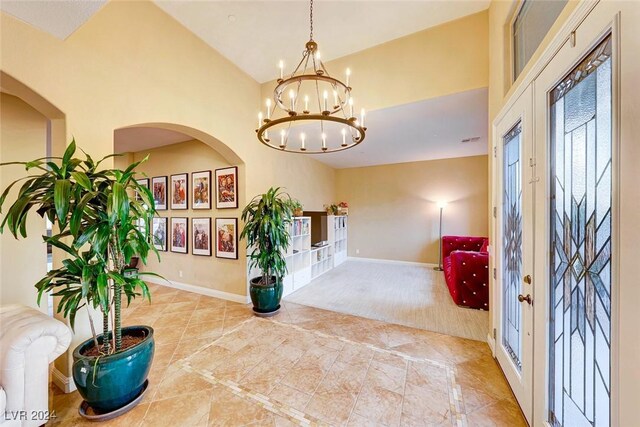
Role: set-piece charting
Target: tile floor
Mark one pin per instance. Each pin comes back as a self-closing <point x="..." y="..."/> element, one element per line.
<point x="218" y="365"/>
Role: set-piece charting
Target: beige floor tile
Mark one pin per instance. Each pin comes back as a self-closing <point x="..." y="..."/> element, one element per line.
<point x="228" y="409"/>
<point x="188" y="410"/>
<point x="290" y="396"/>
<point x="380" y="405"/>
<point x="333" y="408"/>
<point x="502" y="413"/>
<point x="386" y="376"/>
<point x="425" y="404"/>
<point x="177" y="382"/>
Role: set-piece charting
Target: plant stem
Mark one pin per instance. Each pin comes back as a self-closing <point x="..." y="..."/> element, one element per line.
<point x="117" y="302"/>
<point x="93" y="328"/>
<point x="105" y="331"/>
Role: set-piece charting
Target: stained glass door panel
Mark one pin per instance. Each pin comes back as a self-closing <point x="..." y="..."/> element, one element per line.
<point x="512" y="245"/>
<point x="580" y="291"/>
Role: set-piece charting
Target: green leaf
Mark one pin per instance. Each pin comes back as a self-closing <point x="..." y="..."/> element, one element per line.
<point x="61" y="195"/>
<point x="82" y="179"/>
<point x="103" y="297"/>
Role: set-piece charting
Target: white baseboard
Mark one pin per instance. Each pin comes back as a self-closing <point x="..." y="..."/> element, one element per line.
<point x="492" y="344"/>
<point x="243" y="299"/>
<point x="391" y="261"/>
<point x="63" y="382"/>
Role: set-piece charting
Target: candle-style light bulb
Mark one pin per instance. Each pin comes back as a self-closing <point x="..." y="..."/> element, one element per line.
<point x="302" y="138"/>
<point x="362" y="115"/>
<point x="268" y="108"/>
<point x="348" y="76"/>
<point x="259" y="119"/>
<point x="282" y="135"/>
<point x="326" y="100"/>
<point x="335" y="98"/>
<point x="324" y="141"/>
<point x="306" y="103"/>
<point x="318" y="56"/>
<point x="281" y="65"/>
<point x="292" y="96"/>
<point x="350" y="107"/>
<point x="344" y="137"/>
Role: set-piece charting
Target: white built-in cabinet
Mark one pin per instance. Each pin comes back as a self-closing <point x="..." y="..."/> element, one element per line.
<point x="305" y="263"/>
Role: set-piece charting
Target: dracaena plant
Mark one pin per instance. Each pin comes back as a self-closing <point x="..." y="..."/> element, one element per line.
<point x="266" y="219"/>
<point x="97" y="225"/>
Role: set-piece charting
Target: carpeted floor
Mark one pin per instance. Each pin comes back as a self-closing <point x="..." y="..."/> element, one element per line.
<point x="409" y="295"/>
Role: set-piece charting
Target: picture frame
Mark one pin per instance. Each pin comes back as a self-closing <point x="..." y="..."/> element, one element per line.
<point x="180" y="235"/>
<point x="201" y="190"/>
<point x="227" y="238"/>
<point x="159" y="191"/>
<point x="227" y="188"/>
<point x="180" y="191"/>
<point x="144" y="182"/>
<point x="159" y="233"/>
<point x="201" y="236"/>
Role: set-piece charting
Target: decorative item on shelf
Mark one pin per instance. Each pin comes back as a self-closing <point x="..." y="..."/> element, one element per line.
<point x="227" y="188"/>
<point x="334" y="125"/>
<point x="297" y="208"/>
<point x="95" y="229"/>
<point x="266" y="230"/>
<point x="343" y="208"/>
<point x="331" y="209"/>
<point x="441" y="206"/>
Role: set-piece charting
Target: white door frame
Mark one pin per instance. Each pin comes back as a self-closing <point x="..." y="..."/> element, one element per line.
<point x="595" y="27"/>
<point x="521" y="381"/>
<point x="605" y="20"/>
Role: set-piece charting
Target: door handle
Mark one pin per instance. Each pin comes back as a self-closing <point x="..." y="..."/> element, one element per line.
<point x="528" y="298"/>
<point x="527" y="279"/>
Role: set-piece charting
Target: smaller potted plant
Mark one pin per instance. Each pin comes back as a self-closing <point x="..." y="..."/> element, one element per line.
<point x="266" y="229"/>
<point x="331" y="209"/>
<point x="343" y="208"/>
<point x="297" y="208"/>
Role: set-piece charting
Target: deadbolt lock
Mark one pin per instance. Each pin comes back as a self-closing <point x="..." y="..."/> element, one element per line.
<point x="527" y="279"/>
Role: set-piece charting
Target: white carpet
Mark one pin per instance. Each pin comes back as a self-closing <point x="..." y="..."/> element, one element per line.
<point x="410" y="295"/>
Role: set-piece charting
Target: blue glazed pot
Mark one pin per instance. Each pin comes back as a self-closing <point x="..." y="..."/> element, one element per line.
<point x="265" y="299"/>
<point x="110" y="382"/>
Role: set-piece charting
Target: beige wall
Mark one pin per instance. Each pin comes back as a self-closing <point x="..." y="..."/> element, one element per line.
<point x="393" y="212"/>
<point x="23" y="137"/>
<point x="442" y="60"/>
<point x="208" y="272"/>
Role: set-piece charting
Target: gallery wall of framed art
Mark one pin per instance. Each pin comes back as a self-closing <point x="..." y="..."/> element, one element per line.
<point x="183" y="179"/>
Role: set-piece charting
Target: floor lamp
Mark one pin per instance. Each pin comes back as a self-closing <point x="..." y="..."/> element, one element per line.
<point x="441" y="205"/>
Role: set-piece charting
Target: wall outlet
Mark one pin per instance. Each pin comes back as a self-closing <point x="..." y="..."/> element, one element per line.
<point x="180" y="273"/>
<point x="357" y="251"/>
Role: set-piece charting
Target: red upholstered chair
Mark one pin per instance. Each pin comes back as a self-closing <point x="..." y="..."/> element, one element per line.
<point x="465" y="261"/>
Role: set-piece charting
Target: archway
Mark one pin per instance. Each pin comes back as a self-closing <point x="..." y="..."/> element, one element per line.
<point x="178" y="150"/>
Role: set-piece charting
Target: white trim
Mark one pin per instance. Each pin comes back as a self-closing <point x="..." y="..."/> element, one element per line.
<point x="492" y="343"/>
<point x="63" y="382"/>
<point x="391" y="261"/>
<point x="243" y="299"/>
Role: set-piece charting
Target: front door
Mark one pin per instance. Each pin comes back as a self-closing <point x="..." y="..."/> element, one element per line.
<point x="514" y="260"/>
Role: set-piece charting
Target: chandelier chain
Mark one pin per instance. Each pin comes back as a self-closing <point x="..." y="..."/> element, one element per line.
<point x="311" y="20"/>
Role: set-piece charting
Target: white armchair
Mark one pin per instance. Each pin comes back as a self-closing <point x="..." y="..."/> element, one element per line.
<point x="29" y="342"/>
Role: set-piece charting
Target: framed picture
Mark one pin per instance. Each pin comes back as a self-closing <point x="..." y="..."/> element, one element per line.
<point x="159" y="190"/>
<point x="227" y="188"/>
<point x="179" y="191"/>
<point x="179" y="235"/>
<point x="144" y="182"/>
<point x="227" y="238"/>
<point x="201" y="190"/>
<point x="159" y="233"/>
<point x="201" y="232"/>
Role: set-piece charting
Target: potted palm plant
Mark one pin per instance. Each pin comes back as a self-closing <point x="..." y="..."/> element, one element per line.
<point x="266" y="229"/>
<point x="100" y="228"/>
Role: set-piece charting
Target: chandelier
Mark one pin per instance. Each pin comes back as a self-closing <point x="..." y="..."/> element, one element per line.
<point x="320" y="105"/>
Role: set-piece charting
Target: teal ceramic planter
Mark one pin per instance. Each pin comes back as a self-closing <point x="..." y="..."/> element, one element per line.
<point x="265" y="299"/>
<point x="108" y="383"/>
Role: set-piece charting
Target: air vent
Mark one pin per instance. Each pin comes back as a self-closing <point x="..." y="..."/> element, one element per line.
<point x="472" y="139"/>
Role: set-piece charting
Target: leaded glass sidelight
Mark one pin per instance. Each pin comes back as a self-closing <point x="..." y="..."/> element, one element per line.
<point x="580" y="334"/>
<point x="512" y="245"/>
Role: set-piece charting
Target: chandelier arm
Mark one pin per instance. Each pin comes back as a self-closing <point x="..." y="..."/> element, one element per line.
<point x="304" y="55"/>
